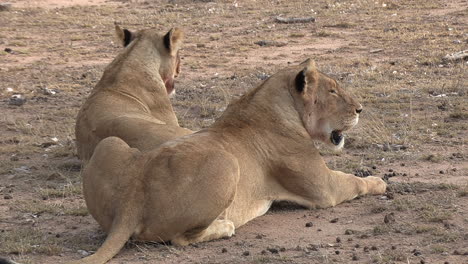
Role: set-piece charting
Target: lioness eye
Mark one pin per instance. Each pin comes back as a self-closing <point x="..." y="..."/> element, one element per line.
<point x="333" y="91"/>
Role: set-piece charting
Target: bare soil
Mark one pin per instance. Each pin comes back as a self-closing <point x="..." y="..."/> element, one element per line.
<point x="413" y="130"/>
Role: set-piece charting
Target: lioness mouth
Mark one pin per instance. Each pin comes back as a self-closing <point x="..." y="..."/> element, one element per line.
<point x="336" y="137"/>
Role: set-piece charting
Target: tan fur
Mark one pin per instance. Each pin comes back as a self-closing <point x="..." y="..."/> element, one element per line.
<point x="131" y="99"/>
<point x="202" y="186"/>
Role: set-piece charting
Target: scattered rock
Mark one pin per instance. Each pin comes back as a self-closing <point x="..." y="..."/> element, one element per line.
<point x="246" y="253"/>
<point x="273" y="250"/>
<point x="72" y="164"/>
<point x="391" y="147"/>
<point x="224" y="250"/>
<point x="373" y="248"/>
<point x="334" y="220"/>
<point x="349" y="232"/>
<point x="5" y="6"/>
<point x="84" y="253"/>
<point x="56" y="176"/>
<point x="376" y="51"/>
<point x="313" y="247"/>
<point x="259" y="236"/>
<point x="362" y="173"/>
<point x="270" y="43"/>
<point x="416" y="252"/>
<point x="7" y="197"/>
<point x="457" y="56"/>
<point x="355" y="257"/>
<point x="17" y="99"/>
<point x="338" y="240"/>
<point x="390" y="195"/>
<point x="23" y="169"/>
<point x="47" y="144"/>
<point x="47" y="91"/>
<point x="262" y="76"/>
<point x="337" y="252"/>
<point x="291" y="20"/>
<point x="389" y="218"/>
<point x="14" y="158"/>
<point x="8" y="50"/>
<point x="309" y="224"/>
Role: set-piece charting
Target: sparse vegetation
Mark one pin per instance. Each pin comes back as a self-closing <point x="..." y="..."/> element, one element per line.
<point x="387" y="53"/>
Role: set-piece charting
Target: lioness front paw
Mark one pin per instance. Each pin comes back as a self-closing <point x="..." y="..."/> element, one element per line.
<point x="375" y="185"/>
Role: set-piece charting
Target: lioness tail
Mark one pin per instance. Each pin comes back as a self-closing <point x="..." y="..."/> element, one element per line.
<point x="119" y="234"/>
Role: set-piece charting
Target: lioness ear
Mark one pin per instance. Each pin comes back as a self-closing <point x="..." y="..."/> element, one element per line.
<point x="173" y="40"/>
<point x="124" y="35"/>
<point x="308" y="74"/>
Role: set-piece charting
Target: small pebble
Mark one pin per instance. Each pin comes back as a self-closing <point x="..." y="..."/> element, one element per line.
<point x="337" y="252"/>
<point x="309" y="224"/>
<point x="393" y="247"/>
<point x="390" y="170"/>
<point x="357" y="246"/>
<point x="334" y="220"/>
<point x="374" y="167"/>
<point x="7" y="197"/>
<point x="246" y="253"/>
<point x="273" y="250"/>
<point x="373" y="248"/>
<point x="441" y="172"/>
<point x="366" y="249"/>
<point x="355" y="257"/>
<point x="338" y="240"/>
<point x="224" y="250"/>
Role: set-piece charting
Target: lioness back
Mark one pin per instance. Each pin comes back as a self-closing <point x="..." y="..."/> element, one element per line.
<point x="131" y="100"/>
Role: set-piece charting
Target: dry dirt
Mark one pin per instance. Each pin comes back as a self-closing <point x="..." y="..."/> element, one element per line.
<point x="413" y="130"/>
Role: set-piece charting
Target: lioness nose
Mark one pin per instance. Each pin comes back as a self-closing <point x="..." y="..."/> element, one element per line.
<point x="358" y="110"/>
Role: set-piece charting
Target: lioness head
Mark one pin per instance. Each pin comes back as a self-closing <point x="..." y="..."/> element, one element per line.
<point x="167" y="46"/>
<point x="326" y="109"/>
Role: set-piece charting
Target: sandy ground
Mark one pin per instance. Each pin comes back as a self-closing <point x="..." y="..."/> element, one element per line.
<point x="413" y="130"/>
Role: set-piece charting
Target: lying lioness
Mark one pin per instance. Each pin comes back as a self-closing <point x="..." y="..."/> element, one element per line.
<point x="202" y="186"/>
<point x="131" y="99"/>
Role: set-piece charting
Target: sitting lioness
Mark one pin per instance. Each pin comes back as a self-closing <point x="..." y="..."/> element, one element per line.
<point x="131" y="99"/>
<point x="203" y="186"/>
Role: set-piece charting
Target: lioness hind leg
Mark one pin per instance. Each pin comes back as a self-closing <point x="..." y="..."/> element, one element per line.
<point x="217" y="229"/>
